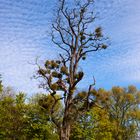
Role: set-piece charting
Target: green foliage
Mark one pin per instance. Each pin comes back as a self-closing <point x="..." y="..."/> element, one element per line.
<point x="39" y="125"/>
<point x="94" y="125"/>
<point x="22" y="120"/>
<point x="114" y="115"/>
<point x="11" y="117"/>
<point x="46" y="102"/>
<point x="122" y="105"/>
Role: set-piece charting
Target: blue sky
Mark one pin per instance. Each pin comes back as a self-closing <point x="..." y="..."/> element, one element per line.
<point x="23" y="37"/>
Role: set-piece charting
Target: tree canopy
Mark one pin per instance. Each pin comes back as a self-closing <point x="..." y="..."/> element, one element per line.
<point x="114" y="116"/>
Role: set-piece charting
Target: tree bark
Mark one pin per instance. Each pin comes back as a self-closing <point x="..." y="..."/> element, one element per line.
<point x="66" y="125"/>
<point x="65" y="132"/>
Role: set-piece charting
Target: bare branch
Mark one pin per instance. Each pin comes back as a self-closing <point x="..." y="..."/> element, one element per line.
<point x="59" y="45"/>
<point x="58" y="29"/>
<point x="89" y="92"/>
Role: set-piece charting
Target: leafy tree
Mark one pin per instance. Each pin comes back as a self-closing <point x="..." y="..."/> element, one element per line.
<point x="20" y="119"/>
<point x="71" y="33"/>
<point x="94" y="125"/>
<point x="123" y="110"/>
<point x="11" y="117"/>
<point x="122" y="105"/>
<point x="114" y="116"/>
<point x="39" y="125"/>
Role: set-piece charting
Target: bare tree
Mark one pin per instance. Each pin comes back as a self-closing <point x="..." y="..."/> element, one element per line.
<point x="71" y="33"/>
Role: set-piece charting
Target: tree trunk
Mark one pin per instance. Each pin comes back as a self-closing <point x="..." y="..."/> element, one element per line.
<point x="66" y="125"/>
<point x="65" y="130"/>
<point x="65" y="133"/>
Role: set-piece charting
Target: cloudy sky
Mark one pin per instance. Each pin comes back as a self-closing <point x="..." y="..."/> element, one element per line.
<point x="23" y="37"/>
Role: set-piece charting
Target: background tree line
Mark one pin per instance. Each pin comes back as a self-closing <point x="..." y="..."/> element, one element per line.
<point x="114" y="115"/>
